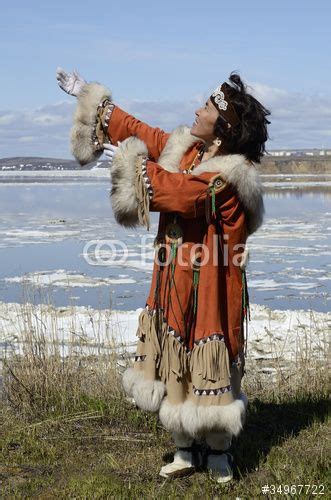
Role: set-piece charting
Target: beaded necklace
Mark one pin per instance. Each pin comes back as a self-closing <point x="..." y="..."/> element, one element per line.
<point x="198" y="156"/>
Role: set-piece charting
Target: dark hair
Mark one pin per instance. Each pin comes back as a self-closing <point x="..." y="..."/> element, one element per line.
<point x="250" y="135"/>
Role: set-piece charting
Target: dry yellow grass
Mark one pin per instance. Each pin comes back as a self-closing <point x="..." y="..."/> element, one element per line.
<point x="69" y="431"/>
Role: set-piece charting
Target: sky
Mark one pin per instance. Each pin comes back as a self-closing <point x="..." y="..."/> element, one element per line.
<point x="161" y="60"/>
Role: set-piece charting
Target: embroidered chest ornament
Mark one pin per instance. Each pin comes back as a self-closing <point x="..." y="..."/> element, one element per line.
<point x="174" y="233"/>
<point x="174" y="238"/>
<point x="215" y="186"/>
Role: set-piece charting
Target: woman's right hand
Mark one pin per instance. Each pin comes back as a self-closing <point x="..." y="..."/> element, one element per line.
<point x="71" y="83"/>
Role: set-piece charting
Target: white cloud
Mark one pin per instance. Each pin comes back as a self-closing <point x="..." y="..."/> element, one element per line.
<point x="48" y="119"/>
<point x="38" y="132"/>
<point x="6" y="118"/>
<point x="298" y="121"/>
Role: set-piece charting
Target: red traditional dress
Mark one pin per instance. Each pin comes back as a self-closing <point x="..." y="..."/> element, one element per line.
<point x="190" y="353"/>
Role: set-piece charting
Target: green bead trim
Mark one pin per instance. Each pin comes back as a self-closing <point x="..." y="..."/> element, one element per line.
<point x="213" y="201"/>
<point x="195" y="288"/>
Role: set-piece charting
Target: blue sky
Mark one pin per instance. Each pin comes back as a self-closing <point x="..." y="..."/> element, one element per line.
<point x="160" y="60"/>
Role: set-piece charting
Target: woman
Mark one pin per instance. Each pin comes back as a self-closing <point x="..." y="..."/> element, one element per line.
<point x="191" y="346"/>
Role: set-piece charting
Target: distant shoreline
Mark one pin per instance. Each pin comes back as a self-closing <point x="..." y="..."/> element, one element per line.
<point x="270" y="165"/>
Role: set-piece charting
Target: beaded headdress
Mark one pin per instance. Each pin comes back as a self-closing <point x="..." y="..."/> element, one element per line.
<point x="220" y="99"/>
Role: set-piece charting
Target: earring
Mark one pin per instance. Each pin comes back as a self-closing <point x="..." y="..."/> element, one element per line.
<point x="217" y="142"/>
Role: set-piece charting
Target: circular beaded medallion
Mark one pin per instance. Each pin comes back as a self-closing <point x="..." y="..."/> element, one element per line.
<point x="173" y="233"/>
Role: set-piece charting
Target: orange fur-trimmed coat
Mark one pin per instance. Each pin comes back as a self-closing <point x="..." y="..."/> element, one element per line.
<point x="191" y="330"/>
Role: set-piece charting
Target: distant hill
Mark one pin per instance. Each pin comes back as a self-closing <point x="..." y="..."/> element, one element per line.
<point x="301" y="165"/>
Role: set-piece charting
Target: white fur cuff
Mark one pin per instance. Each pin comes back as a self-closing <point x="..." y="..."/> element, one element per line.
<point x="82" y="146"/>
<point x="147" y="394"/>
<point x="124" y="179"/>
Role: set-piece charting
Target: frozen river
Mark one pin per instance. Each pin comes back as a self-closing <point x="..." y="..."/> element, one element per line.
<point x="45" y="225"/>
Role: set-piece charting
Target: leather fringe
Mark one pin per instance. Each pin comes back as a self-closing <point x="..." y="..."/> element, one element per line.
<point x="147" y="333"/>
<point x="142" y="194"/>
<point x="210" y="360"/>
<point x="174" y="357"/>
<point x="170" y="356"/>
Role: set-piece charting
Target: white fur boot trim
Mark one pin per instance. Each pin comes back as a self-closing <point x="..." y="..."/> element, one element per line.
<point x="220" y="467"/>
<point x="182" y="464"/>
<point x="198" y="420"/>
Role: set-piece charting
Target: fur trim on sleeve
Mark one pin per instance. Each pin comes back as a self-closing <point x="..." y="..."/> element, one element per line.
<point x="131" y="189"/>
<point x="82" y="145"/>
<point x="234" y="168"/>
<point x="245" y="178"/>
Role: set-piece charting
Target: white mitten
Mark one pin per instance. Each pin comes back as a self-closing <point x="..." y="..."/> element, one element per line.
<point x="71" y="83"/>
<point x="110" y="151"/>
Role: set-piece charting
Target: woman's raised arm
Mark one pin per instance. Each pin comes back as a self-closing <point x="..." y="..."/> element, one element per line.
<point x="98" y="120"/>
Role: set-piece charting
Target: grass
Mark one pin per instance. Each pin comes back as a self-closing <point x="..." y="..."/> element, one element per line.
<point x="69" y="432"/>
<point x="116" y="452"/>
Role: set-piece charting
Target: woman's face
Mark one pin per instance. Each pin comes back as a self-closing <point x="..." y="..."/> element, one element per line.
<point x="203" y="127"/>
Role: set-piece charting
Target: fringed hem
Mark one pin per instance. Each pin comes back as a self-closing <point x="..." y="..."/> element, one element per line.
<point x="174" y="358"/>
<point x="157" y="346"/>
<point x="162" y="362"/>
<point x="208" y="364"/>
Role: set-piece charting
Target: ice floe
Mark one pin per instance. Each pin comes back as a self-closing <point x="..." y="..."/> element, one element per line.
<point x="62" y="278"/>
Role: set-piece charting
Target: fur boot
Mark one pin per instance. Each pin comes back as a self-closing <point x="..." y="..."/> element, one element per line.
<point x="219" y="463"/>
<point x="186" y="458"/>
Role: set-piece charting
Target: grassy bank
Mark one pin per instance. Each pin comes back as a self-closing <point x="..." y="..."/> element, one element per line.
<point x="69" y="432"/>
<point x="301" y="165"/>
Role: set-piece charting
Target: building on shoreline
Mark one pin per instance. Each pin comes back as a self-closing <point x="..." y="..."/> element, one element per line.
<point x="299" y="152"/>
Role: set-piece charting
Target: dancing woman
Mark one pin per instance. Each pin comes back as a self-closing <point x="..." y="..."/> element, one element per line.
<point x="203" y="181"/>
